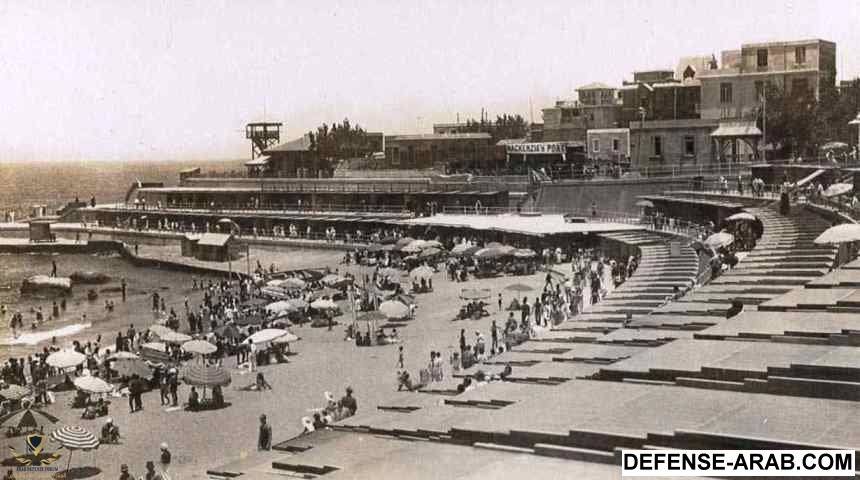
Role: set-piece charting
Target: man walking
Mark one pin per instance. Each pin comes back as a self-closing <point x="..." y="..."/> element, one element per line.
<point x="494" y="336"/>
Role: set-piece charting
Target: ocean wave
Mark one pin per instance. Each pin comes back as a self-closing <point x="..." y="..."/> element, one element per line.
<point x="33" y="338"/>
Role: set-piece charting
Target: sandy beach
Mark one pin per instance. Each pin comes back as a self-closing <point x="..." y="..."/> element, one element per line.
<point x="324" y="362"/>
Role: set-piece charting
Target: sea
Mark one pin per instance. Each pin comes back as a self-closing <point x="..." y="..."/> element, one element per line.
<point x="54" y="184"/>
<point x="25" y="184"/>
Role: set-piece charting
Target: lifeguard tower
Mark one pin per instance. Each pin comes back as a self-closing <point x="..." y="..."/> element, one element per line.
<point x="262" y="135"/>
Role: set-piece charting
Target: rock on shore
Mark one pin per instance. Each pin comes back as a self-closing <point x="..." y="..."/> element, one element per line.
<point x="90" y="277"/>
<point x="45" y="285"/>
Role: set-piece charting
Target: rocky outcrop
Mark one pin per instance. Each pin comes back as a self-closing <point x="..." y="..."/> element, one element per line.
<point x="45" y="285"/>
<point x="90" y="277"/>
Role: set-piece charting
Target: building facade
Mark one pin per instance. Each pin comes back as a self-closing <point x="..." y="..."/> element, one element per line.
<point x="658" y="145"/>
<point x="597" y="107"/>
<point x="609" y="145"/>
<point x="458" y="151"/>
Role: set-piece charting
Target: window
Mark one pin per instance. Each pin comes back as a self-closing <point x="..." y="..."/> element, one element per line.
<point x="759" y="90"/>
<point x="689" y="145"/>
<point x="725" y="93"/>
<point x="615" y="144"/>
<point x="761" y="57"/>
<point x="658" y="146"/>
<point x="800" y="55"/>
<point x="595" y="145"/>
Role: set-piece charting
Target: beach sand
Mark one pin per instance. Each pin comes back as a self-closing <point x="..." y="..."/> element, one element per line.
<point x="325" y="362"/>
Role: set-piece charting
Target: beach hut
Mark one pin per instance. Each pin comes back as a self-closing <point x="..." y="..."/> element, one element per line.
<point x="189" y="245"/>
<point x="213" y="247"/>
<point x="40" y="230"/>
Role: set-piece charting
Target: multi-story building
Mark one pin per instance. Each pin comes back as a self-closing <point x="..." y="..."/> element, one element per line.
<point x="734" y="93"/>
<point x="609" y="144"/>
<point x="597" y="107"/>
<point x="458" y="151"/>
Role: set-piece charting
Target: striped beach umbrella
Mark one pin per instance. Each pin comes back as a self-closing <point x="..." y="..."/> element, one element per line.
<point x="75" y="438"/>
<point x="205" y="376"/>
<point x="66" y="359"/>
<point x="27" y="418"/>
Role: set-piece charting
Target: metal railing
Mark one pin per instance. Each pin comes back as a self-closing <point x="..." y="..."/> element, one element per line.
<point x="268" y="208"/>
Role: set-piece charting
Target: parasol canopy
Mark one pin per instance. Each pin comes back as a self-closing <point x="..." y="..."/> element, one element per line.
<point x="201" y="347"/>
<point x="280" y="307"/>
<point x="131" y="367"/>
<point x="66" y="359"/>
<point x="160" y="330"/>
<point x="27" y="418"/>
<point x="123" y="356"/>
<point x="742" y="216"/>
<point x="519" y="287"/>
<point x="846" y="232"/>
<point x="14" y="392"/>
<point x="393" y="309"/>
<point x="429" y="252"/>
<point x="645" y="204"/>
<point x="459" y="248"/>
<point x="289" y="337"/>
<point x="524" y="253"/>
<point x="838" y="189"/>
<point x="475" y="293"/>
<point x="269" y="334"/>
<point x="404" y="241"/>
<point x="487" y="253"/>
<point x="719" y="239"/>
<point x="157" y="346"/>
<point x="293" y="283"/>
<point x="75" y="438"/>
<point x="834" y="146"/>
<point x="433" y="244"/>
<point x="421" y="272"/>
<point x="175" y="337"/>
<point x="205" y="376"/>
<point x="323" y="304"/>
<point x="91" y="384"/>
<point x="298" y="303"/>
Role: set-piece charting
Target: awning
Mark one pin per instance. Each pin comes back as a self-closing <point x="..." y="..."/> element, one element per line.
<point x="737" y="129"/>
<point x="258" y="162"/>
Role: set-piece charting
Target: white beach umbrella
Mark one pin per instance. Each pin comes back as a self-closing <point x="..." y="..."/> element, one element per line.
<point x="66" y="359"/>
<point x="201" y="347"/>
<point x="91" y="384"/>
<point x="324" y="304"/>
<point x="719" y="239"/>
<point x="846" y="232"/>
<point x="159" y="330"/>
<point x="742" y="216"/>
<point x="393" y="309"/>
<point x="175" y="337"/>
<point x="267" y="335"/>
<point x="838" y="189"/>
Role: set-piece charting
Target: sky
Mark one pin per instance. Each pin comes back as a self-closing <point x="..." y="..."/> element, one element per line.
<point x="118" y="80"/>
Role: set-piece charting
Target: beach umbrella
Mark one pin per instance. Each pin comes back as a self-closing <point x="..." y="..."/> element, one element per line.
<point x="519" y="287"/>
<point x="14" y="392"/>
<point x="389" y="248"/>
<point x="132" y="367"/>
<point x="293" y="283"/>
<point x="157" y="346"/>
<point x="433" y="244"/>
<point x="324" y="304"/>
<point x="330" y="279"/>
<point x="280" y="307"/>
<point x="524" y="253"/>
<point x="493" y="245"/>
<point x="375" y="247"/>
<point x="201" y="347"/>
<point x="326" y="292"/>
<point x="404" y="241"/>
<point x="393" y="309"/>
<point x="175" y="337"/>
<point x="289" y="337"/>
<point x="27" y="419"/>
<point x="267" y="335"/>
<point x="123" y="356"/>
<point x="487" y="253"/>
<point x="838" y="189"/>
<point x="410" y="249"/>
<point x="411" y="257"/>
<point x="506" y="250"/>
<point x="742" y="216"/>
<point x="160" y="330"/>
<point x="298" y="303"/>
<point x="429" y="252"/>
<point x="75" y="438"/>
<point x="200" y="375"/>
<point x="645" y="204"/>
<point x="421" y="272"/>
<point x="91" y="384"/>
<point x="475" y="294"/>
<point x="719" y="239"/>
<point x="834" y="146"/>
<point x="846" y="232"/>
<point x="66" y="359"/>
<point x="459" y="248"/>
